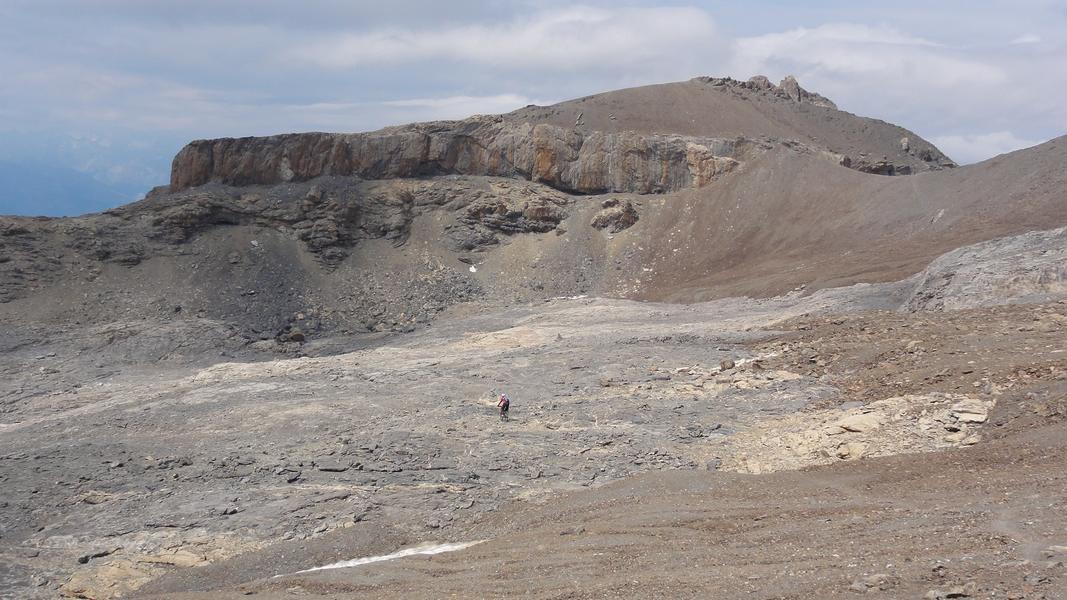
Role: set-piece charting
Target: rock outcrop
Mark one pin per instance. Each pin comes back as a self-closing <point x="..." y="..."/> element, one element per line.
<point x="567" y="160"/>
<point x="1022" y="269"/>
<point x="615" y="216"/>
<point x="788" y="88"/>
<point x="897" y="425"/>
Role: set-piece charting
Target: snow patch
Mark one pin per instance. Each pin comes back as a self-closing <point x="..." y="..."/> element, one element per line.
<point x="427" y="548"/>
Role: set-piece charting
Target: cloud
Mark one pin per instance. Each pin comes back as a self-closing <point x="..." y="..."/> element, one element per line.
<point x="1027" y="38"/>
<point x="569" y="39"/>
<point x="863" y="51"/>
<point x="358" y="116"/>
<point x="972" y="148"/>
<point x="159" y="74"/>
<point x="974" y="101"/>
<point x="457" y="107"/>
<point x="165" y="72"/>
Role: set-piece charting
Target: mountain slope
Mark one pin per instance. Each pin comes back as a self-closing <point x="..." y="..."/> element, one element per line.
<point x="723" y="107"/>
<point x="690" y="191"/>
<point x="785" y="221"/>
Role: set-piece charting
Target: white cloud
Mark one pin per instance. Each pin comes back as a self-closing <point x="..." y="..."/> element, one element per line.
<point x="567" y="39"/>
<point x="457" y="107"/>
<point x="358" y="116"/>
<point x="850" y="33"/>
<point x="972" y="148"/>
<point x="862" y="51"/>
<point x="967" y="100"/>
<point x="241" y="79"/>
<point x="1027" y="38"/>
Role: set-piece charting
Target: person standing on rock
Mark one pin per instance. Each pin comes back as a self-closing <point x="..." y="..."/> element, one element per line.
<point x="504" y="404"/>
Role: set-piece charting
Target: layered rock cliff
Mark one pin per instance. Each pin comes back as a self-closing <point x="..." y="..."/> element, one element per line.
<point x="566" y="160"/>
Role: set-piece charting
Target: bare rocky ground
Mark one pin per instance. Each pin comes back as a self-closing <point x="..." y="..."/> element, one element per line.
<point x="186" y="479"/>
<point x="173" y="467"/>
<point x="981" y="519"/>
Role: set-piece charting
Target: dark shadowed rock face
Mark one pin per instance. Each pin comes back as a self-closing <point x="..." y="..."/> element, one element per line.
<point x="256" y="256"/>
<point x="568" y="160"/>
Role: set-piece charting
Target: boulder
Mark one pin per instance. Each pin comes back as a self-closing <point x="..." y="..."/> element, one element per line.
<point x="851" y="450"/>
<point x="861" y="422"/>
<point x="615" y="218"/>
<point x="970" y="410"/>
<point x="760" y="82"/>
<point x="790" y="88"/>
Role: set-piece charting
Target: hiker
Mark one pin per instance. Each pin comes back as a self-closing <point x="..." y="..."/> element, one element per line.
<point x="504" y="405"/>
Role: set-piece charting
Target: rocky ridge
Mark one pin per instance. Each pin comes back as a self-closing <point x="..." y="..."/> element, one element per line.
<point x="567" y="160"/>
<point x="788" y="88"/>
<point x="755" y="109"/>
<point x="574" y="159"/>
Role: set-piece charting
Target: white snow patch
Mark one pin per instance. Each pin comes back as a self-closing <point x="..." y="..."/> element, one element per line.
<point x="427" y="548"/>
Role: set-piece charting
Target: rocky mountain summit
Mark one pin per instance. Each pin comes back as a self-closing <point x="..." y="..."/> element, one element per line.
<point x="787" y="88"/>
<point x="575" y="159"/>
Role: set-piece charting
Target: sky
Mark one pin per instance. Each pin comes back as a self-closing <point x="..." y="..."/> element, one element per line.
<point x="113" y="88"/>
